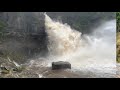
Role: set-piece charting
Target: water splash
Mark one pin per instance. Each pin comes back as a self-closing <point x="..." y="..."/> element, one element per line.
<point x="97" y="50"/>
<point x="62" y="39"/>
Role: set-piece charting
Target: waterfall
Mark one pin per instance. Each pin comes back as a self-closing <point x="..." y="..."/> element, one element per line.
<point x="96" y="50"/>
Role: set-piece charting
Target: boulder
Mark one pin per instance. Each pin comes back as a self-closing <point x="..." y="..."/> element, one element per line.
<point x="61" y="65"/>
<point x="4" y="70"/>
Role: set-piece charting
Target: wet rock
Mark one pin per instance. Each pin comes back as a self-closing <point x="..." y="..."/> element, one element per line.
<point x="4" y="70"/>
<point x="61" y="65"/>
<point x="17" y="69"/>
<point x="1" y="52"/>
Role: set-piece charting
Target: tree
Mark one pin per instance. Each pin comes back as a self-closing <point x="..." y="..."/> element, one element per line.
<point x="118" y="21"/>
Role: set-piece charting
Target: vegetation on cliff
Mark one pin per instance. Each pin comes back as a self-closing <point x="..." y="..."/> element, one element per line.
<point x="118" y="36"/>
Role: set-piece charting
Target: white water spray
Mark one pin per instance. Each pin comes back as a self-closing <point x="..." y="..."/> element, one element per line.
<point x="62" y="39"/>
<point x="97" y="50"/>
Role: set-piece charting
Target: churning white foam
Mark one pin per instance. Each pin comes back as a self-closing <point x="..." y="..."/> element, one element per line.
<point x="96" y="50"/>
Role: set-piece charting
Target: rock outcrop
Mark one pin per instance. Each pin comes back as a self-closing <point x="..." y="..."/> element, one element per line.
<point x="61" y="65"/>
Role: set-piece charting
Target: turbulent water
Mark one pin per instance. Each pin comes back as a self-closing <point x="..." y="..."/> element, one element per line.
<point x="93" y="53"/>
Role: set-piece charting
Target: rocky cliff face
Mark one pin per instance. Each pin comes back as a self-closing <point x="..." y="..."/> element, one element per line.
<point x="30" y="22"/>
<point x="24" y="35"/>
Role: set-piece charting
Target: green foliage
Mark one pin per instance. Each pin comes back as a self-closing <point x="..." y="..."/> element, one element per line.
<point x="118" y="36"/>
<point x="2" y="25"/>
<point x="118" y="21"/>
